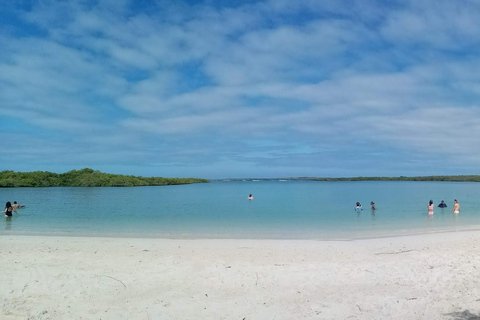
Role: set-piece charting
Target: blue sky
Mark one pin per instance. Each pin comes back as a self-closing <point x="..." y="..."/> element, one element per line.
<point x="221" y="89"/>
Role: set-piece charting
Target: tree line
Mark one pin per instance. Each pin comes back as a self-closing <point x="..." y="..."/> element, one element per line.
<point x="85" y="178"/>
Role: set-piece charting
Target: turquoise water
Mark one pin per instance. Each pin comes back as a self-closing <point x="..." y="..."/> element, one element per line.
<point x="280" y="209"/>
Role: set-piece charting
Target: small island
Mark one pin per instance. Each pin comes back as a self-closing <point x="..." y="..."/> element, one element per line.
<point x="85" y="178"/>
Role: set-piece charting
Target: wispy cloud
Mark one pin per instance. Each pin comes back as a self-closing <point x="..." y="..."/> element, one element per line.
<point x="334" y="87"/>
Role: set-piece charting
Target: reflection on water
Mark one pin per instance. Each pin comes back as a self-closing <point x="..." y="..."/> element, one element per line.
<point x="455" y="216"/>
<point x="8" y="223"/>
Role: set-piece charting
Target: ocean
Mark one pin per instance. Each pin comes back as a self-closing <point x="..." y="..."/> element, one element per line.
<point x="220" y="209"/>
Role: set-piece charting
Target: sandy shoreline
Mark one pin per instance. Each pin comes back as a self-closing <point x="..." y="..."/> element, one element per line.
<point x="432" y="276"/>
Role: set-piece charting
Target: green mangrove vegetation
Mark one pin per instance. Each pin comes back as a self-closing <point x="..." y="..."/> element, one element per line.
<point x="85" y="178"/>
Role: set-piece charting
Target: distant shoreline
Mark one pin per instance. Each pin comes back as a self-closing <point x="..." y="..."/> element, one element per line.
<point x="91" y="178"/>
<point x="460" y="178"/>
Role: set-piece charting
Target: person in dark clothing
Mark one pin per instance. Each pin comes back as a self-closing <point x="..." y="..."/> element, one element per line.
<point x="8" y="209"/>
<point x="442" y="204"/>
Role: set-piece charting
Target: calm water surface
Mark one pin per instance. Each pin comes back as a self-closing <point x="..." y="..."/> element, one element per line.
<point x="280" y="209"/>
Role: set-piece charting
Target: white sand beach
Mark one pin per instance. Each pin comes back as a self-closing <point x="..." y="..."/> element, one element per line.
<point x="433" y="276"/>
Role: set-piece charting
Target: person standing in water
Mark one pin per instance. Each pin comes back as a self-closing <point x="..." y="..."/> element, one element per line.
<point x="456" y="206"/>
<point x="250" y="197"/>
<point x="8" y="209"/>
<point x="430" y="207"/>
<point x="373" y="205"/>
<point x="358" y="207"/>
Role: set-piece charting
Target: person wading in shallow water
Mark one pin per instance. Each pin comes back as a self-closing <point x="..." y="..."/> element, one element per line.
<point x="430" y="207"/>
<point x="16" y="206"/>
<point x="8" y="209"/>
<point x="358" y="208"/>
<point x="456" y="206"/>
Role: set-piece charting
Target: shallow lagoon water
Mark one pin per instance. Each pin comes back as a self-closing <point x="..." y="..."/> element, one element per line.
<point x="220" y="209"/>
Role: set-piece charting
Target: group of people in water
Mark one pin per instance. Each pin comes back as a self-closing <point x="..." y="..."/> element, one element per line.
<point x="10" y="208"/>
<point x="359" y="208"/>
<point x="442" y="204"/>
<point x="456" y="206"/>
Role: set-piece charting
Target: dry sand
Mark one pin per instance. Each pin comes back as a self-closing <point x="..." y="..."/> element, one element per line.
<point x="431" y="276"/>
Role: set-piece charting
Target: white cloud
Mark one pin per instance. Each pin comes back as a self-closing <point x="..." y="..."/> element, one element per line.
<point x="341" y="73"/>
<point x="442" y="24"/>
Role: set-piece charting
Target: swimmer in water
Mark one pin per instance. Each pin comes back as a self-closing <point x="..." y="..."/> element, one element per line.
<point x="442" y="204"/>
<point x="250" y="197"/>
<point x="15" y="206"/>
<point x="456" y="206"/>
<point x="430" y="207"/>
<point x="373" y="205"/>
